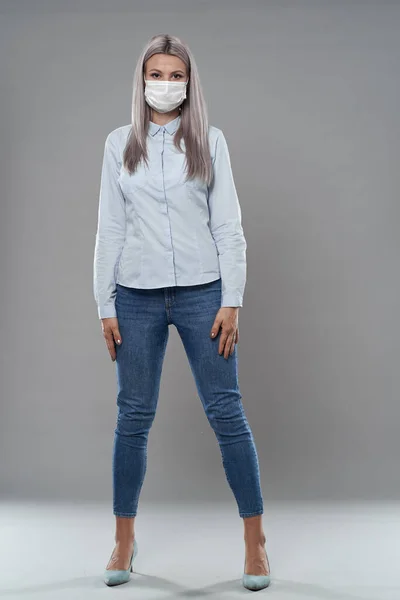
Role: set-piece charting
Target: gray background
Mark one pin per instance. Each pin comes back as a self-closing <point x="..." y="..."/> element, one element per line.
<point x="307" y="94"/>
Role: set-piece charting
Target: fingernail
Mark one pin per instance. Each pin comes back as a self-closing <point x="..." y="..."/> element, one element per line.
<point x="118" y="341"/>
<point x="212" y="335"/>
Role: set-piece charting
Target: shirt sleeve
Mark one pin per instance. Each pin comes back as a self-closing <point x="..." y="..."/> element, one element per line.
<point x="226" y="227"/>
<point x="110" y="235"/>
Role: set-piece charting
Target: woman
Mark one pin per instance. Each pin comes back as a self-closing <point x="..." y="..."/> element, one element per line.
<point x="170" y="249"/>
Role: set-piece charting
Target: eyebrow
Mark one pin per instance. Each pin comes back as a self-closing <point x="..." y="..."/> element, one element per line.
<point x="177" y="71"/>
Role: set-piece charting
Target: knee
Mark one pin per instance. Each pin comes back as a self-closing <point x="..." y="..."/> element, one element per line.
<point x="228" y="418"/>
<point x="132" y="421"/>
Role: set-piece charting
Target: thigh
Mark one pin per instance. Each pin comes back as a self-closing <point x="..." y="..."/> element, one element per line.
<point x="144" y="331"/>
<point x="216" y="377"/>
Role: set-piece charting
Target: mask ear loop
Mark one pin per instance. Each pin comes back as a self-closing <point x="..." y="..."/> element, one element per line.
<point x="180" y="106"/>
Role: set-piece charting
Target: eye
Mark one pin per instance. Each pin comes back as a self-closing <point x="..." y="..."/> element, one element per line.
<point x="175" y="76"/>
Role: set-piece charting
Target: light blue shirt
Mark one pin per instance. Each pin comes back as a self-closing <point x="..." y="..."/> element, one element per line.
<point x="156" y="230"/>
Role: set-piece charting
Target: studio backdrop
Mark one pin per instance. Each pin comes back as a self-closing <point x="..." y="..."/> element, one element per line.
<point x="308" y="95"/>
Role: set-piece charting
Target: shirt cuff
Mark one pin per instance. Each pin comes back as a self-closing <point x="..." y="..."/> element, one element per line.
<point x="232" y="299"/>
<point x="107" y="312"/>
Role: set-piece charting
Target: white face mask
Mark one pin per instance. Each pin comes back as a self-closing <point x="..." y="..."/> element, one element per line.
<point x="164" y="96"/>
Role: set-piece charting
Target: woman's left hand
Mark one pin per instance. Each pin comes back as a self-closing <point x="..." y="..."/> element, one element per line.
<point x="227" y="318"/>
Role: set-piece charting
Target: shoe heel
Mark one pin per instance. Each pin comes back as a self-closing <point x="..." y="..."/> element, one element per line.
<point x="135" y="551"/>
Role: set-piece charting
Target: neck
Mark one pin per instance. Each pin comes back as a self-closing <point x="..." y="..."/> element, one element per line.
<point x="164" y="118"/>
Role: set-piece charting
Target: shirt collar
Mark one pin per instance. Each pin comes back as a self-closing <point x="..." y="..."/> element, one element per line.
<point x="170" y="127"/>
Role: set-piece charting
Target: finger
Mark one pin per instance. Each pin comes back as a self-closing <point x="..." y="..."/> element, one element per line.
<point x="237" y="335"/>
<point x="108" y="336"/>
<point x="216" y="326"/>
<point x="233" y="343"/>
<point x="224" y="344"/>
<point x="222" y="341"/>
<point x="116" y="335"/>
<point x="229" y="344"/>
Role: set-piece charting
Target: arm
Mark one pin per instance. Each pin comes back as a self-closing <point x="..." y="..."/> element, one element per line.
<point x="226" y="227"/>
<point x="110" y="235"/>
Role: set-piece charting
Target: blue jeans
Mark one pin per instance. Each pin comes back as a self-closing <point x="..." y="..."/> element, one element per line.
<point x="144" y="316"/>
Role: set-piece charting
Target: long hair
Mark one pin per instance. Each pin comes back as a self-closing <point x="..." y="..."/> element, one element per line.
<point x="194" y="116"/>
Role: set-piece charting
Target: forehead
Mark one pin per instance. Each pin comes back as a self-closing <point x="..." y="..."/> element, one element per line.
<point x="165" y="62"/>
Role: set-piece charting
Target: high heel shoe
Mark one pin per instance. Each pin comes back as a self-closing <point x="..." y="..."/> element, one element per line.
<point x="117" y="576"/>
<point x="256" y="582"/>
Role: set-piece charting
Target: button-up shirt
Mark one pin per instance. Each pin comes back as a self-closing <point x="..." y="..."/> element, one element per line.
<point x="157" y="230"/>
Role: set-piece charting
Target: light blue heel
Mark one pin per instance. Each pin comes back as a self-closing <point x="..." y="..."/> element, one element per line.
<point x="256" y="582"/>
<point x="117" y="576"/>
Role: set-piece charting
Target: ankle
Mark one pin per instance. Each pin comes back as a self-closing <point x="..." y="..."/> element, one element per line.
<point x="124" y="540"/>
<point x="254" y="539"/>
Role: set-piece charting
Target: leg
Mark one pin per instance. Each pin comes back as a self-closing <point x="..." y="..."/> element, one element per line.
<point x="193" y="313"/>
<point x="216" y="380"/>
<point x="144" y="330"/>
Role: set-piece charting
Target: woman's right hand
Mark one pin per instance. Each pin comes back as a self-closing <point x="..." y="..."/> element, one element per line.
<point x="111" y="335"/>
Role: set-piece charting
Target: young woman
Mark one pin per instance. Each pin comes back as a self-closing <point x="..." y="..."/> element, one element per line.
<point x="170" y="249"/>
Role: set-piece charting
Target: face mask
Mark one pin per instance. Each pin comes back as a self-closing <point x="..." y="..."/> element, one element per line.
<point x="164" y="96"/>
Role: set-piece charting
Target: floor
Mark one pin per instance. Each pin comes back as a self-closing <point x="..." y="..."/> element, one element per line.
<point x="316" y="552"/>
